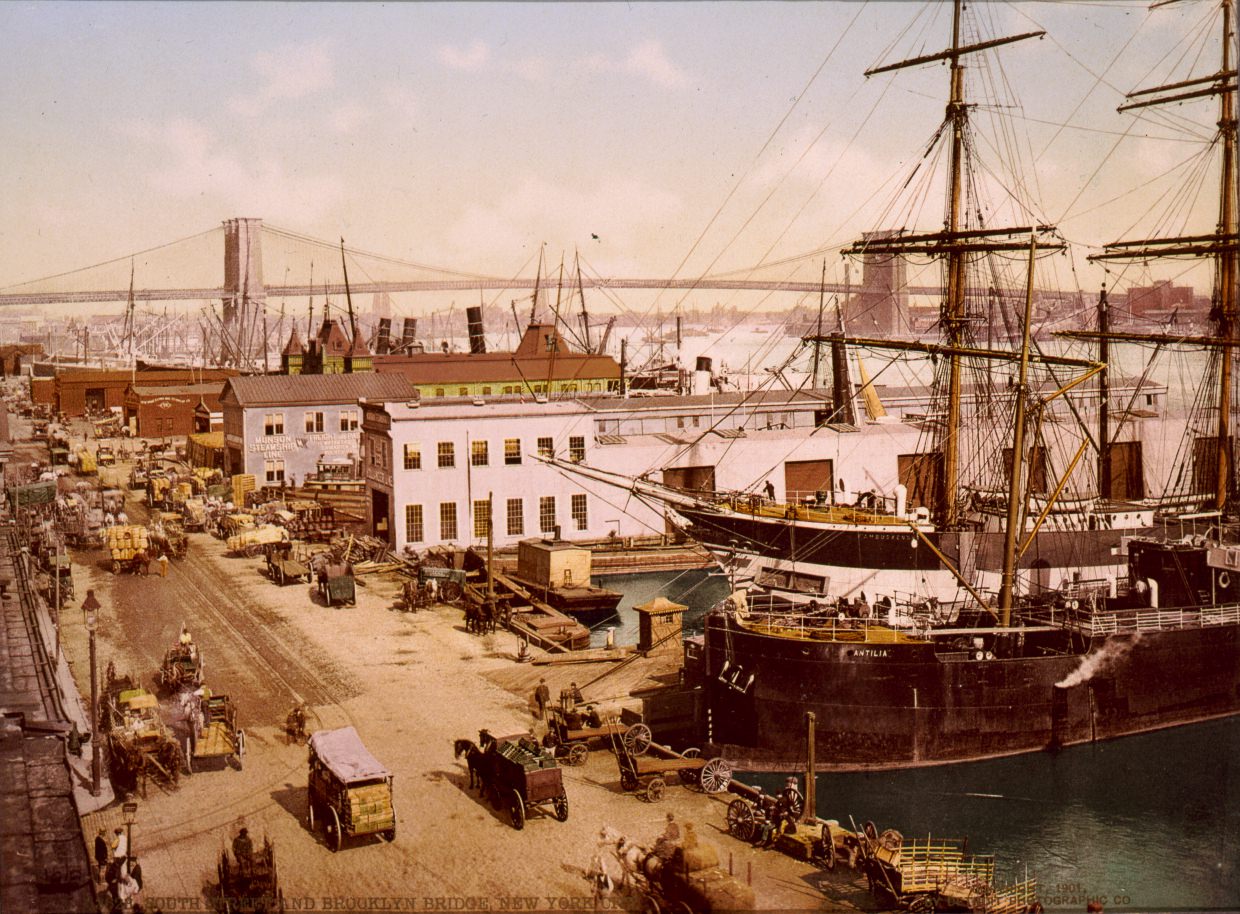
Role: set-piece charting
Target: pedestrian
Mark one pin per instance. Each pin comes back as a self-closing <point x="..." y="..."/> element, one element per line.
<point x="135" y="870"/>
<point x="120" y="847"/>
<point x="243" y="849"/>
<point x="126" y="889"/>
<point x="163" y="564"/>
<point x="101" y="852"/>
<point x="574" y="693"/>
<point x="542" y="697"/>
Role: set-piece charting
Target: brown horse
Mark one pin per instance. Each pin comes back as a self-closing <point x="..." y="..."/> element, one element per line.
<point x="473" y="761"/>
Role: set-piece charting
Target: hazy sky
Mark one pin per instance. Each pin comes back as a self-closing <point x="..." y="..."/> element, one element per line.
<point x="688" y="137"/>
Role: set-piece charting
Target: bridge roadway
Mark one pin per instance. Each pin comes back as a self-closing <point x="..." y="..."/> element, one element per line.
<point x="435" y="285"/>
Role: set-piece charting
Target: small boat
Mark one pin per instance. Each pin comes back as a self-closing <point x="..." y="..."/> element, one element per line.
<point x="559" y="574"/>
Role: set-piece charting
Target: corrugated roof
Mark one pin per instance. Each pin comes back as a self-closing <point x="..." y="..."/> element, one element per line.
<point x="311" y="389"/>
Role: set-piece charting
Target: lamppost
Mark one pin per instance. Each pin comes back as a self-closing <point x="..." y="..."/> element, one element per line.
<point x="90" y="606"/>
<point x="129" y="812"/>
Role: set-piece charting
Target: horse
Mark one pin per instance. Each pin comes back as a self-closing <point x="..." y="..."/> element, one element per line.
<point x="473" y="761"/>
<point x="631" y="857"/>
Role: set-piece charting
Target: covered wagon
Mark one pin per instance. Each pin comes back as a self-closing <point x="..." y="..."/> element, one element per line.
<point x="350" y="790"/>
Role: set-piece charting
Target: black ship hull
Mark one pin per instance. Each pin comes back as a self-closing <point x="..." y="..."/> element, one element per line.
<point x="906" y="704"/>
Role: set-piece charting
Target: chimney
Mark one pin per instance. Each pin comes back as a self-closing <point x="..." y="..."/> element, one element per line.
<point x="383" y="345"/>
<point x="408" y="333"/>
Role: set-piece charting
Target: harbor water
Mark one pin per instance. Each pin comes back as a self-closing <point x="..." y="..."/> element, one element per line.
<point x="1145" y="823"/>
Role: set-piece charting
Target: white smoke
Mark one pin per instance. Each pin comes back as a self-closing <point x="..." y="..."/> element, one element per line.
<point x="1113" y="651"/>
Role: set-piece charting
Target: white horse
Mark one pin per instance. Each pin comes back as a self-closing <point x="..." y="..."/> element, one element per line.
<point x="631" y="857"/>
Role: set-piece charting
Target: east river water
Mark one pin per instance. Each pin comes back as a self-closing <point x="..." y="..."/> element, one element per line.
<point x="1145" y="823"/>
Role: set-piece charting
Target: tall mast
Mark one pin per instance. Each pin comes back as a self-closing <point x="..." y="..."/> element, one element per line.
<point x="1222" y="245"/>
<point x="954" y="243"/>
<point x="348" y="296"/>
<point x="1104" y="398"/>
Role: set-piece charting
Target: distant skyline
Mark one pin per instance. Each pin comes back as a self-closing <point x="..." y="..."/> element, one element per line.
<point x="657" y="139"/>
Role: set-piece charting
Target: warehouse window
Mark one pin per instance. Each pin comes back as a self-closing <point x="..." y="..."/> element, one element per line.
<point x="516" y="517"/>
<point x="447" y="521"/>
<point x="546" y="513"/>
<point x="314" y="422"/>
<point x="413" y="524"/>
<point x="479" y="455"/>
<point x="580" y="516"/>
<point x="273" y="424"/>
<point x="439" y="391"/>
<point x="546" y="447"/>
<point x="273" y="470"/>
<point x="512" y="451"/>
<point x="482" y="518"/>
<point x="447" y="455"/>
<point x="413" y="455"/>
<point x="577" y="448"/>
<point x="348" y="420"/>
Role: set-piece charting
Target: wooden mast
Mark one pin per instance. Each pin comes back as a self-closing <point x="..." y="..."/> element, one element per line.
<point x="954" y="243"/>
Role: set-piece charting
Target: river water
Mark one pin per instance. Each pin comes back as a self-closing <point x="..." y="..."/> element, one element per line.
<point x="1145" y="823"/>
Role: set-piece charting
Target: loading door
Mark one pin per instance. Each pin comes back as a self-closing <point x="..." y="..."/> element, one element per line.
<point x="805" y="478"/>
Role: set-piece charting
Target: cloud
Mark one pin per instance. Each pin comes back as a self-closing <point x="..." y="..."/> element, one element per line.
<point x="473" y="58"/>
<point x="628" y="213"/>
<point x="649" y="59"/>
<point x="287" y="72"/>
<point x="194" y="164"/>
<point x="348" y="118"/>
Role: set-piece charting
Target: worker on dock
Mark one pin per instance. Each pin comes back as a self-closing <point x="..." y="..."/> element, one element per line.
<point x="542" y="697"/>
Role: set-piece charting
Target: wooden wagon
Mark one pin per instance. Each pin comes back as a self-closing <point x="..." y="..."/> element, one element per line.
<point x="140" y="747"/>
<point x="518" y="774"/>
<point x="336" y="584"/>
<point x="129" y="546"/>
<point x="570" y="733"/>
<point x="650" y="773"/>
<point x="219" y="737"/>
<point x="181" y="669"/>
<point x="251" y="541"/>
<point x="250" y="886"/>
<point x="350" y="792"/>
<point x="282" y="568"/>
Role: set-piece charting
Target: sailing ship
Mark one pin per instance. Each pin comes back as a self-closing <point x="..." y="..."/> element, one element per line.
<point x="1010" y="669"/>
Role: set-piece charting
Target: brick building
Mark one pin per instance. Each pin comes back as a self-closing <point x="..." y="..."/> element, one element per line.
<point x="80" y="389"/>
<point x="152" y="412"/>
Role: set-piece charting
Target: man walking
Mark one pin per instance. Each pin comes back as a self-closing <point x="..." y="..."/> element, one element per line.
<point x="542" y="697"/>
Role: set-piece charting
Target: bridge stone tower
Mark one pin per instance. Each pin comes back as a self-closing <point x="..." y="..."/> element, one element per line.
<point x="245" y="295"/>
<point x="880" y="306"/>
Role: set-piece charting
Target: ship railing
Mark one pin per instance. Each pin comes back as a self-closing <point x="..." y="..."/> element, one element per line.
<point x="828" y="628"/>
<point x="1154" y="620"/>
<point x="1013" y="899"/>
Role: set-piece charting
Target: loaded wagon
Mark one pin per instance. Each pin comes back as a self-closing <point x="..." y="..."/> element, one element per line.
<point x="182" y="666"/>
<point x="335" y="583"/>
<point x="650" y="773"/>
<point x="216" y="735"/>
<point x="129" y="545"/>
<point x="692" y="881"/>
<point x="250" y="541"/>
<point x="139" y="745"/>
<point x="517" y="773"/>
<point x="350" y="792"/>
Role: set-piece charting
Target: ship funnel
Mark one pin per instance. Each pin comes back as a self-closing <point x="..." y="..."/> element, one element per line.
<point x="383" y="345"/>
<point x="901" y="499"/>
<point x="408" y="333"/>
<point x="703" y="378"/>
<point x="477" y="343"/>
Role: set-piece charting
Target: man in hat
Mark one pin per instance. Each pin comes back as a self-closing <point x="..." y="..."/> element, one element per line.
<point x="542" y="697"/>
<point x="243" y="849"/>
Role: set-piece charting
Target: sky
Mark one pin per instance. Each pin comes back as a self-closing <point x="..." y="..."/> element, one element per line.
<point x="649" y="139"/>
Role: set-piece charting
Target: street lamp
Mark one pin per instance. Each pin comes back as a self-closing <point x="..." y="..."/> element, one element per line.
<point x="90" y="606"/>
<point x="129" y="813"/>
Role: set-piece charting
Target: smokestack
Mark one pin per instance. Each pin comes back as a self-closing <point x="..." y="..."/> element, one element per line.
<point x="383" y="345"/>
<point x="477" y="343"/>
<point x="408" y="333"/>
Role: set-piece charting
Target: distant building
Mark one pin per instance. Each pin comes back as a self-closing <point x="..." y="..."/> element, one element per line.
<point x="1165" y="303"/>
<point x="331" y="352"/>
<point x="541" y="365"/>
<point x="80" y="389"/>
<point x="14" y="356"/>
<point x="153" y="412"/>
<point x="279" y="427"/>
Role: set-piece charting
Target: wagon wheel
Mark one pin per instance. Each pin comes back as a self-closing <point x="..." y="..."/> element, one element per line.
<point x="689" y="775"/>
<point x="516" y="807"/>
<point x="741" y="819"/>
<point x="655" y="789"/>
<point x="650" y="905"/>
<point x="561" y="807"/>
<point x="390" y="834"/>
<point x="715" y="776"/>
<point x="628" y="781"/>
<point x="637" y="739"/>
<point x="279" y="569"/>
<point x="922" y="904"/>
<point x="578" y="753"/>
<point x="450" y="591"/>
<point x="334" y="839"/>
<point x="824" y="851"/>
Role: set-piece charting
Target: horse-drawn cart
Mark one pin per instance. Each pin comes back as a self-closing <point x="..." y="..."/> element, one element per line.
<point x="218" y="737"/>
<point x="129" y="546"/>
<point x="569" y="733"/>
<point x="650" y="773"/>
<point x="517" y="772"/>
<point x="350" y="791"/>
<point x="282" y="568"/>
<point x="249" y="883"/>
<point x="182" y="666"/>
<point x="139" y="746"/>
<point x="336" y="584"/>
